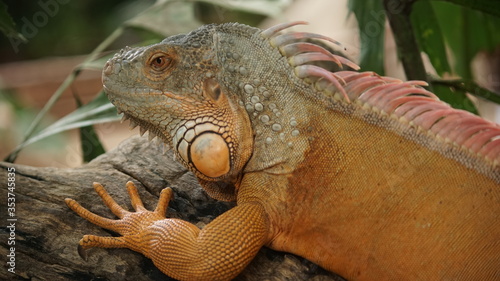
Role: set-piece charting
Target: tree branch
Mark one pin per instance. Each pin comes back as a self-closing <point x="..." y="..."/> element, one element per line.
<point x="469" y="87"/>
<point x="398" y="14"/>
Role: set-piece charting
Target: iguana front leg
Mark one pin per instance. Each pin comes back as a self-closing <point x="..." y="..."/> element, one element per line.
<point x="178" y="248"/>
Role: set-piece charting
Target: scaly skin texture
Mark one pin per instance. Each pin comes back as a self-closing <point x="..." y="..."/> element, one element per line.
<point x="370" y="177"/>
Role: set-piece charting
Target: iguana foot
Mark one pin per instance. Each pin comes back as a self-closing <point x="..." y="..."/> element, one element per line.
<point x="178" y="248"/>
<point x="130" y="225"/>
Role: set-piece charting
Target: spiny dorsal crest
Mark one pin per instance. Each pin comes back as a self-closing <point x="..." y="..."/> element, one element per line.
<point x="406" y="101"/>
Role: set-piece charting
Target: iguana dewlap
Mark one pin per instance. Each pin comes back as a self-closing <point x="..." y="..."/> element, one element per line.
<point x="370" y="177"/>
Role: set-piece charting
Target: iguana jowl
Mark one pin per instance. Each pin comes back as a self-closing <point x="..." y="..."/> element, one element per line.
<point x="370" y="177"/>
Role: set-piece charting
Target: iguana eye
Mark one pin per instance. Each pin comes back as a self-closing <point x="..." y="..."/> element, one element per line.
<point x="160" y="62"/>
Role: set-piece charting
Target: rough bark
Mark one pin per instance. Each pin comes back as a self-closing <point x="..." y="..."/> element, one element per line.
<point x="47" y="232"/>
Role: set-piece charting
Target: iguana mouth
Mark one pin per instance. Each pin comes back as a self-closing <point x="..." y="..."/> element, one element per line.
<point x="183" y="98"/>
<point x="153" y="131"/>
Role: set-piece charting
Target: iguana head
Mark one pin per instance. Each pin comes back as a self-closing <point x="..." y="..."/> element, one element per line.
<point x="213" y="93"/>
<point x="171" y="90"/>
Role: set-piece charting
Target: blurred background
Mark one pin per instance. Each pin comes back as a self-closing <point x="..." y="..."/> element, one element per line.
<point x="56" y="42"/>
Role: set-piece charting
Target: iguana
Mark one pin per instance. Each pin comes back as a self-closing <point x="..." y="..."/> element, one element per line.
<point x="367" y="176"/>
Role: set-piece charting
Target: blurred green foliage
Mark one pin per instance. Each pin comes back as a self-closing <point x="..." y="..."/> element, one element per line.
<point x="62" y="27"/>
<point x="450" y="32"/>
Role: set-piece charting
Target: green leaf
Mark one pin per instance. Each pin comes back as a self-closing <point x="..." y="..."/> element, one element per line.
<point x="371" y="21"/>
<point x="7" y="25"/>
<point x="90" y="143"/>
<point x="455" y="97"/>
<point x="167" y="18"/>
<point x="270" y="8"/>
<point x="466" y="32"/>
<point x="429" y="36"/>
<point x="89" y="140"/>
<point x="57" y="94"/>
<point x="491" y="7"/>
<point x="99" y="110"/>
<point x="170" y="17"/>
